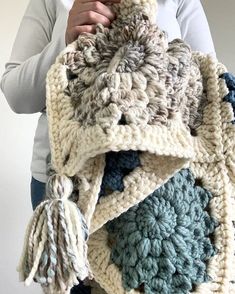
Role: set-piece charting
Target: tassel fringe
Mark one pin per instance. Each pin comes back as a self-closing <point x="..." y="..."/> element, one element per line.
<point x="55" y="249"/>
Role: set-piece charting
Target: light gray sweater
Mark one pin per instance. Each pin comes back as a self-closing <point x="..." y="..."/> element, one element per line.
<point x="41" y="37"/>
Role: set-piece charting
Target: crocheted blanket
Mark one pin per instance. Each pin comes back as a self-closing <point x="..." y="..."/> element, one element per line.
<point x="140" y="196"/>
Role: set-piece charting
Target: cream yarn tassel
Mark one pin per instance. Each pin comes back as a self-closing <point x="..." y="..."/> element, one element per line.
<point x="55" y="249"/>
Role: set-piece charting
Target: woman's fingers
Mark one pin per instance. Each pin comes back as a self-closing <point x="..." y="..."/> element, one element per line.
<point x="91" y="17"/>
<point x="84" y="14"/>
<point x="77" y="30"/>
<point x="85" y="29"/>
<point x="91" y="8"/>
<point x="77" y="2"/>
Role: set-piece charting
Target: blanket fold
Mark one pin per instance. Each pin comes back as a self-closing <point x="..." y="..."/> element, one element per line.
<point x="140" y="198"/>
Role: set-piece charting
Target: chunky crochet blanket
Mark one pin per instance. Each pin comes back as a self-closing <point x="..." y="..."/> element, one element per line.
<point x="140" y="195"/>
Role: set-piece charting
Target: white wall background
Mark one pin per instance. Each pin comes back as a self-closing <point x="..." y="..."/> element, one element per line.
<point x="221" y="18"/>
<point x="17" y="132"/>
<point x="16" y="139"/>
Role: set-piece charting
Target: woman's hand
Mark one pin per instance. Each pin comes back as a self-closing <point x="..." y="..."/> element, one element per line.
<point x="85" y="14"/>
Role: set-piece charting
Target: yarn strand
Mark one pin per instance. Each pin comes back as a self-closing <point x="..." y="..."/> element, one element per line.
<point x="45" y="245"/>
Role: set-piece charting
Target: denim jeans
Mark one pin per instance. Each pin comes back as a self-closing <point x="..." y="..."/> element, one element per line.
<point x="37" y="195"/>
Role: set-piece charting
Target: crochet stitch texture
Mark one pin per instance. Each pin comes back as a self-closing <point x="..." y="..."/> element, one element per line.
<point x="163" y="241"/>
<point x="140" y="197"/>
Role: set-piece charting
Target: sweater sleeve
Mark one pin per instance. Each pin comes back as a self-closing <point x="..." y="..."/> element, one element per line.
<point x="194" y="26"/>
<point x="23" y="82"/>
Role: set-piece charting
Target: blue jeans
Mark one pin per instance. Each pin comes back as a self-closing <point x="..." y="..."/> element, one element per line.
<point x="37" y="195"/>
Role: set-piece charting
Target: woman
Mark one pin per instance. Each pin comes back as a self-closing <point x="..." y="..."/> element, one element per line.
<point x="46" y="28"/>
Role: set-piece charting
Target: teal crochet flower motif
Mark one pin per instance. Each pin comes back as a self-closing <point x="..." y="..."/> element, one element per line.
<point x="164" y="242"/>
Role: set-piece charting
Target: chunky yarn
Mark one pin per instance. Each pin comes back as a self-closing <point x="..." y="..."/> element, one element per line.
<point x="141" y="175"/>
<point x="56" y="235"/>
<point x="163" y="242"/>
<point x="117" y="166"/>
<point x="230" y="97"/>
<point x="148" y="83"/>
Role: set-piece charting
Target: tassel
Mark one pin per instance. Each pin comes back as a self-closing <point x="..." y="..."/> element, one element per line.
<point x="55" y="249"/>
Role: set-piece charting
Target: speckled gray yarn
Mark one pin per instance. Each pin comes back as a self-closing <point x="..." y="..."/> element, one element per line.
<point x="131" y="71"/>
<point x="50" y="171"/>
<point x="126" y="88"/>
<point x="50" y="237"/>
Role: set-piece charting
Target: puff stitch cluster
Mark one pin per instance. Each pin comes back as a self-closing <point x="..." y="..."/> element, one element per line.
<point x="141" y="184"/>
